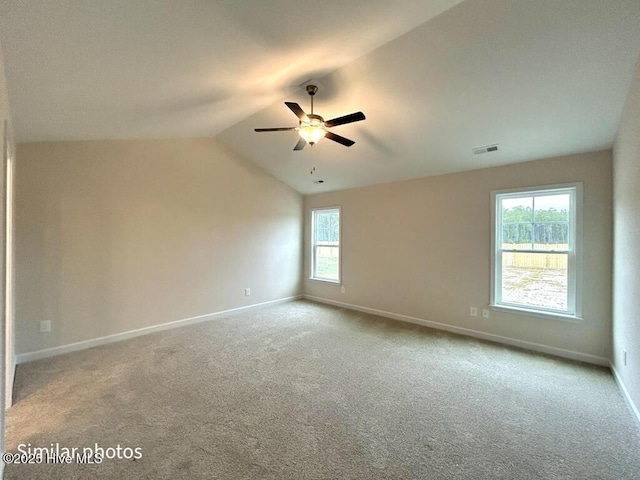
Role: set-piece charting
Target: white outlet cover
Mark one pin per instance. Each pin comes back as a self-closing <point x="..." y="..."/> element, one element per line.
<point x="473" y="311"/>
<point x="485" y="313"/>
<point x="45" y="326"/>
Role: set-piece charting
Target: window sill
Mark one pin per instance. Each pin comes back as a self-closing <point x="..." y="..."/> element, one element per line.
<point x="537" y="313"/>
<point x="325" y="280"/>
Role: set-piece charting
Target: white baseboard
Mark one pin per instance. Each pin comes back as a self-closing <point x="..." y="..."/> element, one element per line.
<point x="559" y="352"/>
<point x="625" y="393"/>
<point x="117" y="337"/>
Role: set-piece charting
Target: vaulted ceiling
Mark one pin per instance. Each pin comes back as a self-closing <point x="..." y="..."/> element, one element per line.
<point x="435" y="78"/>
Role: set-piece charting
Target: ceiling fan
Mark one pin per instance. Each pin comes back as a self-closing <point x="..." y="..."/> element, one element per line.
<point x="313" y="127"/>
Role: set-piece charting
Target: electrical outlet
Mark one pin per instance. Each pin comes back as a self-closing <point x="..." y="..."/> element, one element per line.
<point x="343" y="289"/>
<point x="485" y="313"/>
<point x="45" y="326"/>
<point x="624" y="357"/>
<point x="473" y="311"/>
<point x="247" y="292"/>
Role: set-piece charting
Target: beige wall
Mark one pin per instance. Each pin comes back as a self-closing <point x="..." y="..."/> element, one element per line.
<point x="421" y="248"/>
<point x="113" y="236"/>
<point x="626" y="260"/>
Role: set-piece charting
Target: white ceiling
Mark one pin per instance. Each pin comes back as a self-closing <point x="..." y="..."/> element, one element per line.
<point x="435" y="78"/>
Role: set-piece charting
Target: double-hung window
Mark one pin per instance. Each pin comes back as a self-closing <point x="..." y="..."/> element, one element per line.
<point x="536" y="250"/>
<point x="325" y="244"/>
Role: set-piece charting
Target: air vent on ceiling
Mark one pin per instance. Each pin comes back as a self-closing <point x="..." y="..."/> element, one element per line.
<point x="485" y="149"/>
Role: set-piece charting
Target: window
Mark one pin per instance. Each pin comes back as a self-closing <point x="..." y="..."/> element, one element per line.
<point x="536" y="250"/>
<point x="325" y="244"/>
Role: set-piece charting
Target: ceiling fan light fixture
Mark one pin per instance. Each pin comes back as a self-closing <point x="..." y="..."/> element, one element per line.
<point x="313" y="129"/>
<point x="311" y="134"/>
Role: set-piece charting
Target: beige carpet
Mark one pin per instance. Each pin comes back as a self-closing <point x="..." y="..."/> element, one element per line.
<point x="306" y="391"/>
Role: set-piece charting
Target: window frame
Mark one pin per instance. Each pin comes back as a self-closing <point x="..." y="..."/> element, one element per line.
<point x="314" y="245"/>
<point x="574" y="253"/>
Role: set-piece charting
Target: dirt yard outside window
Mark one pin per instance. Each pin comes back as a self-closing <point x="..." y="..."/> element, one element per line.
<point x="536" y="287"/>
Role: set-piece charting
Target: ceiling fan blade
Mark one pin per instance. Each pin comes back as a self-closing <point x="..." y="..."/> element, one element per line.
<point x="279" y="129"/>
<point x="352" y="117"/>
<point x="295" y="108"/>
<point x="301" y="144"/>
<point x="337" y="138"/>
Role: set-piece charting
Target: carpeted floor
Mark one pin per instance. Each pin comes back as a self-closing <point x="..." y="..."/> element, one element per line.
<point x="307" y="391"/>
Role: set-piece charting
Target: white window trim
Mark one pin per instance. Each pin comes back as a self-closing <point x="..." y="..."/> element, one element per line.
<point x="574" y="285"/>
<point x="313" y="246"/>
